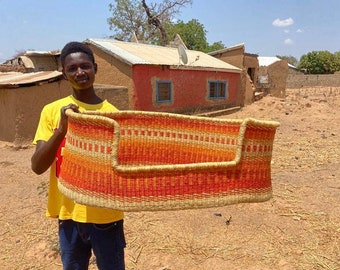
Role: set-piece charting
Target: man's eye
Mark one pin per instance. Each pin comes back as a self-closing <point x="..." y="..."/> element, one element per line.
<point x="72" y="69"/>
<point x="85" y="66"/>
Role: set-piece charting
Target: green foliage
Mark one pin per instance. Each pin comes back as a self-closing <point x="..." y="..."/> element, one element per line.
<point x="337" y="60"/>
<point x="216" y="46"/>
<point x="320" y="62"/>
<point x="192" y="34"/>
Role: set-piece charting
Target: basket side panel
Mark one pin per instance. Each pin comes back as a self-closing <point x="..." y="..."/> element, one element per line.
<point x="255" y="162"/>
<point x="147" y="140"/>
<point x="149" y="192"/>
<point x="89" y="152"/>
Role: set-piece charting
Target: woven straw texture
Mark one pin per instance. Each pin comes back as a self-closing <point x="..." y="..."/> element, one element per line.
<point x="148" y="161"/>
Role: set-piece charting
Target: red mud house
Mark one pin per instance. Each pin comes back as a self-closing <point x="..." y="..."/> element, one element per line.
<point x="166" y="79"/>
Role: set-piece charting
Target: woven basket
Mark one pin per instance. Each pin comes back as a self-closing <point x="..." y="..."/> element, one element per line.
<point x="147" y="161"/>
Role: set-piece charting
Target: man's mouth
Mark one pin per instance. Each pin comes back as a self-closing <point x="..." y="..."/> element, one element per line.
<point x="81" y="80"/>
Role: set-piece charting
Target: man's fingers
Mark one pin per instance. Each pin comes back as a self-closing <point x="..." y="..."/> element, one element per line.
<point x="72" y="107"/>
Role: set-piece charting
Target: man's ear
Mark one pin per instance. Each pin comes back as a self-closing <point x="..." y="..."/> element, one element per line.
<point x="95" y="68"/>
<point x="64" y="75"/>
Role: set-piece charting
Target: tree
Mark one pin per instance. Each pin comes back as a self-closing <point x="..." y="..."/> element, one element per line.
<point x="128" y="19"/>
<point x="216" y="46"/>
<point x="337" y="60"/>
<point x="153" y="24"/>
<point x="193" y="35"/>
<point x="147" y="22"/>
<point x="319" y="62"/>
<point x="290" y="59"/>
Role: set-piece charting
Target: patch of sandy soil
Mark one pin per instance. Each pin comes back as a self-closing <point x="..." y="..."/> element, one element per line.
<point x="298" y="228"/>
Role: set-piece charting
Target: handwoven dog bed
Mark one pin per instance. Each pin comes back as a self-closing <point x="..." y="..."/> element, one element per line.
<point x="148" y="161"/>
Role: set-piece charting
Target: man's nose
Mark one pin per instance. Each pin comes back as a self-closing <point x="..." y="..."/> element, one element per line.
<point x="79" y="71"/>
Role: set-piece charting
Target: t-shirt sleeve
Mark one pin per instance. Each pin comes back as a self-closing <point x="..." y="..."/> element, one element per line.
<point x="107" y="106"/>
<point x="45" y="128"/>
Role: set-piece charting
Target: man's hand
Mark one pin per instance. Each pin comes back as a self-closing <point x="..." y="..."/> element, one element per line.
<point x="64" y="119"/>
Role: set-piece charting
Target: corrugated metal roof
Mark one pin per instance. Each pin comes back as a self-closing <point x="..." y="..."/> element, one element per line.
<point x="57" y="52"/>
<point x="15" y="79"/>
<point x="139" y="54"/>
<point x="268" y="60"/>
<point x="27" y="61"/>
<point x="235" y="47"/>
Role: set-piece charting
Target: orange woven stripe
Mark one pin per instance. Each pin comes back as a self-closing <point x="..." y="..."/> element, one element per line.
<point x="174" y="199"/>
<point x="150" y="185"/>
<point x="258" y="133"/>
<point x="169" y="152"/>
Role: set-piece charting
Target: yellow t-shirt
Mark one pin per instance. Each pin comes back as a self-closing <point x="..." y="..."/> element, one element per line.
<point x="59" y="206"/>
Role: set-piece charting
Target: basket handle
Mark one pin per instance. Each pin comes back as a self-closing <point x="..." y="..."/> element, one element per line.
<point x="100" y="120"/>
<point x="69" y="112"/>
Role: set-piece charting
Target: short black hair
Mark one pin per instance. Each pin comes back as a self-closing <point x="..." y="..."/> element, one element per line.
<point x="74" y="47"/>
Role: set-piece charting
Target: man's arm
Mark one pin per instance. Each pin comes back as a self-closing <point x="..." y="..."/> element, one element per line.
<point x="45" y="151"/>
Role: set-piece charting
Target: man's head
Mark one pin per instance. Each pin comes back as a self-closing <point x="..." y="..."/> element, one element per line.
<point x="78" y="64"/>
<point x="75" y="47"/>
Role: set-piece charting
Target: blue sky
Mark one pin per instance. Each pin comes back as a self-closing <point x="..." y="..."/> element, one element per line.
<point x="266" y="27"/>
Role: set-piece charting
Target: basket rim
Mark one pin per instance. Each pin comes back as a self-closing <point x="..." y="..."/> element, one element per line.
<point x="100" y="117"/>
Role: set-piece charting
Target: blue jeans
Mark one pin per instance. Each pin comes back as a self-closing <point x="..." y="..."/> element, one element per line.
<point x="78" y="239"/>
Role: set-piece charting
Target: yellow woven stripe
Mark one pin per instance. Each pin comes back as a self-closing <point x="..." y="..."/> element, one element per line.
<point x="89" y="146"/>
<point x="85" y="164"/>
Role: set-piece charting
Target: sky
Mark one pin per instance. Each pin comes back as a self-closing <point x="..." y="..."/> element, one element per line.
<point x="265" y="27"/>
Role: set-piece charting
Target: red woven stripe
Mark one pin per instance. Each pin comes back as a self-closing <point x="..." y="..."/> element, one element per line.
<point x="91" y="131"/>
<point x="188" y="183"/>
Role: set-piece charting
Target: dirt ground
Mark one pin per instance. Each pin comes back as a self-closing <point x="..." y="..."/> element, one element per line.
<point x="298" y="228"/>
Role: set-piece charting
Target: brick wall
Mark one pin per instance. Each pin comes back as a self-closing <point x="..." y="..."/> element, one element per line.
<point x="302" y="80"/>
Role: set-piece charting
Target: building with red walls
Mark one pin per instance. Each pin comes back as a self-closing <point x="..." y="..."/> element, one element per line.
<point x="166" y="79"/>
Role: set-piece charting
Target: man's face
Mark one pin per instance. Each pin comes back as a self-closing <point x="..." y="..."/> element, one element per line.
<point x="79" y="70"/>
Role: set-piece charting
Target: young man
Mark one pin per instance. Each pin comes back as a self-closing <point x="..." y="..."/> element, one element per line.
<point x="82" y="229"/>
